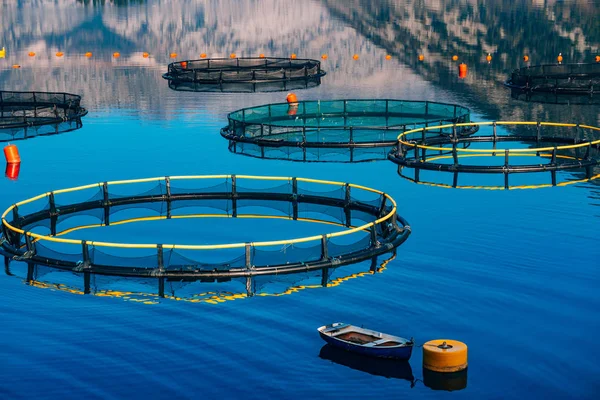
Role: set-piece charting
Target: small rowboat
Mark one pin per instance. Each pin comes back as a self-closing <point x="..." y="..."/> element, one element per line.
<point x="366" y="342"/>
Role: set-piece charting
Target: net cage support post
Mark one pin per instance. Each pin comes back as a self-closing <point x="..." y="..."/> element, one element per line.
<point x="234" y="196"/>
<point x="324" y="248"/>
<point x="347" y="203"/>
<point x="294" y="198"/>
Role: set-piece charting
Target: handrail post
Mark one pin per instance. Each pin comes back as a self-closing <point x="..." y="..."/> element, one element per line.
<point x="295" y="198"/>
<point x="168" y="194"/>
<point x="234" y="195"/>
<point x="324" y="249"/>
<point x="106" y="203"/>
<point x="248" y="256"/>
<point x="347" y="203"/>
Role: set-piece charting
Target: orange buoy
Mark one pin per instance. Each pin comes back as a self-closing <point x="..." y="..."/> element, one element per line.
<point x="292" y="109"/>
<point x="445" y="355"/>
<point x="489" y="58"/>
<point x="145" y="55"/>
<point x="356" y="57"/>
<point x="31" y="54"/>
<point x="598" y="59"/>
<point x="173" y="55"/>
<point x="324" y="56"/>
<point x="12" y="171"/>
<point x="388" y="57"/>
<point x="291" y="98"/>
<point x="203" y="55"/>
<point x="455" y="58"/>
<point x="11" y="153"/>
<point x="261" y="55"/>
<point x="116" y="54"/>
<point x="559" y="58"/>
<point x="16" y="66"/>
<point x="421" y="57"/>
<point x="232" y="55"/>
<point x="525" y="58"/>
<point x="88" y="54"/>
<point x="184" y="64"/>
<point x="59" y="54"/>
<point x="293" y="56"/>
<point x="462" y="70"/>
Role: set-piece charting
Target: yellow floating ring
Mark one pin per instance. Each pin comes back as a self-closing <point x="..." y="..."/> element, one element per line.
<point x="445" y="355"/>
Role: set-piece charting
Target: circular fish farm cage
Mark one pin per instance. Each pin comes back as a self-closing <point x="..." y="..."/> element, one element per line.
<point x="558" y="78"/>
<point x="247" y="74"/>
<point x="339" y="124"/>
<point x="552" y="147"/>
<point x="28" y="114"/>
<point x="366" y="219"/>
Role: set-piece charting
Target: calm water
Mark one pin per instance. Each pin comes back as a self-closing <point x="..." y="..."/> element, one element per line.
<point x="514" y="274"/>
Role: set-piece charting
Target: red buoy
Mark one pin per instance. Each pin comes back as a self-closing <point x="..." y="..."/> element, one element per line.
<point x="11" y="153"/>
<point x="462" y="70"/>
<point x="12" y="171"/>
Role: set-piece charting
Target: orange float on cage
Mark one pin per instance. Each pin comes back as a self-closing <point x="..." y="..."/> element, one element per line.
<point x="88" y="54"/>
<point x="421" y="57"/>
<point x="293" y="56"/>
<point x="203" y="55"/>
<point x="31" y="54"/>
<point x="116" y="54"/>
<point x="525" y="58"/>
<point x="11" y="154"/>
<point x="455" y="58"/>
<point x="184" y="64"/>
<point x="388" y="57"/>
<point x="291" y="98"/>
<point x="356" y="57"/>
<point x="232" y="55"/>
<point x="489" y="58"/>
<point x="598" y="59"/>
<point x="59" y="54"/>
<point x="261" y="55"/>
<point x="12" y="171"/>
<point x="16" y="66"/>
<point x="462" y="70"/>
<point x="145" y="55"/>
<point x="173" y="55"/>
<point x="559" y="58"/>
<point x="324" y="56"/>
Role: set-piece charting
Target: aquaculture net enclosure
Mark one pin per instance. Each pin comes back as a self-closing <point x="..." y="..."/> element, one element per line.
<point x="560" y="78"/>
<point x="339" y="123"/>
<point x="243" y="70"/>
<point x="533" y="147"/>
<point x="30" y="109"/>
<point x="366" y="220"/>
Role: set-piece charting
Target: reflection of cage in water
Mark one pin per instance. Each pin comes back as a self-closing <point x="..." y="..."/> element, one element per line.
<point x="559" y="78"/>
<point x="224" y="73"/>
<point x="555" y="97"/>
<point x="551" y="151"/>
<point x="27" y="114"/>
<point x="368" y="218"/>
<point x="194" y="290"/>
<point x="339" y="123"/>
<point x="245" y="87"/>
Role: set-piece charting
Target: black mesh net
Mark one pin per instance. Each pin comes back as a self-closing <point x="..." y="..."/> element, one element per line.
<point x="560" y="78"/>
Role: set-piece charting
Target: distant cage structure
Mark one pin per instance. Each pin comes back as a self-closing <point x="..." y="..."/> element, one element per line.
<point x="339" y="124"/>
<point x="27" y="114"/>
<point x="367" y="221"/>
<point x="559" y="78"/>
<point x="561" y="152"/>
<point x="231" y="73"/>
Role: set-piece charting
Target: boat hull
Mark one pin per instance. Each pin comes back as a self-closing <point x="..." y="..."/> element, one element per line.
<point x="396" y="352"/>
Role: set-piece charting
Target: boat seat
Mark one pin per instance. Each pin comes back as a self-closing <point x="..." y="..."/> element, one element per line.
<point x="335" y="328"/>
<point x="376" y="342"/>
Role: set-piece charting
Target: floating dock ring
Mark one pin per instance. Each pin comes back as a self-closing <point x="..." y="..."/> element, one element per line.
<point x="224" y="72"/>
<point x="116" y="54"/>
<point x="145" y="55"/>
<point x="560" y="79"/>
<point x="59" y="54"/>
<point x="339" y="124"/>
<point x="366" y="220"/>
<point x="421" y="57"/>
<point x="324" y="56"/>
<point x="88" y="54"/>
<point x="554" y="147"/>
<point x="455" y="58"/>
<point x="526" y="58"/>
<point x="31" y="54"/>
<point x="546" y="97"/>
<point x="444" y="355"/>
<point x="28" y="114"/>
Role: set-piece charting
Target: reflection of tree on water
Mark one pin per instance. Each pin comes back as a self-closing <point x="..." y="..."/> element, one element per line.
<point x="213" y="291"/>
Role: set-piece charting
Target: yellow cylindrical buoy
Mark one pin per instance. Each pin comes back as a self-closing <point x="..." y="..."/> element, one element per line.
<point x="489" y="58"/>
<point x="444" y="355"/>
<point x="421" y="57"/>
<point x="232" y="55"/>
<point x="559" y="58"/>
<point x="525" y="58"/>
<point x="455" y="58"/>
<point x="356" y="57"/>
